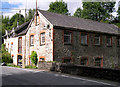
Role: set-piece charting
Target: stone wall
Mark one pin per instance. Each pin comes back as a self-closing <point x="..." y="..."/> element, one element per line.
<point x="76" y="50"/>
<point x="44" y="65"/>
<point x="102" y="73"/>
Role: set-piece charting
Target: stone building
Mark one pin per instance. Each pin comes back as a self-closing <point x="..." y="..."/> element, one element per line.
<point x="66" y="39"/>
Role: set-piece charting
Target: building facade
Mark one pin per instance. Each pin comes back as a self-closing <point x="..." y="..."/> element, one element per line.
<point x="66" y="39"/>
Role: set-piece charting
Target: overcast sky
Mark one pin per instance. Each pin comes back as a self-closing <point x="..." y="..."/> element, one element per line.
<point x="42" y="4"/>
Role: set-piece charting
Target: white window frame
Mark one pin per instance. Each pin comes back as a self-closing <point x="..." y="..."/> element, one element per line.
<point x="32" y="40"/>
<point x="42" y="35"/>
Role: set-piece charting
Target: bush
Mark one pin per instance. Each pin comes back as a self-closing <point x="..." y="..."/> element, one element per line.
<point x="6" y="57"/>
<point x="34" y="57"/>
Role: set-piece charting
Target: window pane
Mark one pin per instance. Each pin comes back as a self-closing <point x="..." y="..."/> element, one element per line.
<point x="67" y="37"/>
<point x="84" y="61"/>
<point x="108" y="41"/>
<point x="42" y="38"/>
<point x="83" y="38"/>
<point x="97" y="40"/>
<point x="97" y="62"/>
<point x="32" y="40"/>
<point x="42" y="59"/>
<point x="118" y="41"/>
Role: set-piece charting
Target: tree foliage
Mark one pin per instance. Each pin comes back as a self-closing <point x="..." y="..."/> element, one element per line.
<point x="30" y="14"/>
<point x="16" y="18"/>
<point x="58" y="7"/>
<point x="34" y="57"/>
<point x="9" y="23"/>
<point x="98" y="11"/>
<point x="78" y="12"/>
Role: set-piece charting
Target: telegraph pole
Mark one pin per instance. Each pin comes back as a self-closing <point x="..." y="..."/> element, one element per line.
<point x="36" y="12"/>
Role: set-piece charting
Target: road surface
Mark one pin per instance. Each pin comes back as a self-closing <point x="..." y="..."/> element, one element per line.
<point x="19" y="76"/>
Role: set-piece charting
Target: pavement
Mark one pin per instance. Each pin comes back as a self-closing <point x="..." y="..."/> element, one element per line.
<point x="17" y="76"/>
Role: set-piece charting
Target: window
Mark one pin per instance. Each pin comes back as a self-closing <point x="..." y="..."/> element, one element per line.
<point x="84" y="61"/>
<point x="20" y="45"/>
<point x="42" y="59"/>
<point x="67" y="37"/>
<point x="118" y="41"/>
<point x="32" y="40"/>
<point x="66" y="60"/>
<point x="42" y="38"/>
<point x="98" y="62"/>
<point x="12" y="46"/>
<point x="109" y="41"/>
<point x="97" y="40"/>
<point x="84" y="38"/>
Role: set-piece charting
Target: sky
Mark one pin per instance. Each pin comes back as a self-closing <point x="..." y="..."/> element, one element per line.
<point x="42" y="4"/>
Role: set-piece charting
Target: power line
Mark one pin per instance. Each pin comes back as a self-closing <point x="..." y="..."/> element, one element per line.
<point x="13" y="9"/>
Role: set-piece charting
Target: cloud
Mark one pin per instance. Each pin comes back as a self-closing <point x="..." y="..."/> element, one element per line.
<point x="42" y="4"/>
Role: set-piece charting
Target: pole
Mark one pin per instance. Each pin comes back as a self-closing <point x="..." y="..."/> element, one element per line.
<point x="36" y="12"/>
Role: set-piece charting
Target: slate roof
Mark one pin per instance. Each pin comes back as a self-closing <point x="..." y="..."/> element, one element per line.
<point x="79" y="23"/>
<point x="21" y="29"/>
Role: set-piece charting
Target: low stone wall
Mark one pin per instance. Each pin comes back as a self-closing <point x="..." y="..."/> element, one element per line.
<point x="102" y="73"/>
<point x="44" y="65"/>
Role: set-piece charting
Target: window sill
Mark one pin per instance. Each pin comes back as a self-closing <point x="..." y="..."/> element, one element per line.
<point x="118" y="46"/>
<point x="109" y="45"/>
<point x="98" y="45"/>
<point x="67" y="43"/>
<point x="42" y="44"/>
<point x="84" y="44"/>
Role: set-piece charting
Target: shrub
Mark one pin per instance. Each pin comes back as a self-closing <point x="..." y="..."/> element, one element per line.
<point x="34" y="57"/>
<point x="6" y="57"/>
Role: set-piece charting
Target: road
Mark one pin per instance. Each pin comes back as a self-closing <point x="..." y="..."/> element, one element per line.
<point x="18" y="76"/>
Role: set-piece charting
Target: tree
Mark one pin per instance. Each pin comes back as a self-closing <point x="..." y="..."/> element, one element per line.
<point x="34" y="58"/>
<point x="98" y="11"/>
<point x="78" y="12"/>
<point x="58" y="7"/>
<point x="30" y="14"/>
<point x="16" y="18"/>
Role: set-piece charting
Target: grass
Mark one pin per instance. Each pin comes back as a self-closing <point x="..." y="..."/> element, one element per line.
<point x="12" y="65"/>
<point x="31" y="67"/>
